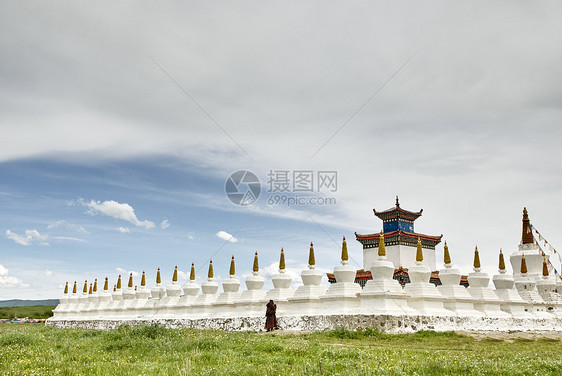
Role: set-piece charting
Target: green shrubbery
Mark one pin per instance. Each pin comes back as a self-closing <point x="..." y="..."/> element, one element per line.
<point x="33" y="312"/>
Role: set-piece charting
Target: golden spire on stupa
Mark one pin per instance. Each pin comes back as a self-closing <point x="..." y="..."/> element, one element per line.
<point x="175" y="275"/>
<point x="419" y="251"/>
<point x="143" y="280"/>
<point x="158" y="279"/>
<point x="90" y="291"/>
<point x="527" y="233"/>
<point x="344" y="254"/>
<point x="74" y="288"/>
<point x="130" y="284"/>
<point x="523" y="265"/>
<point x="114" y="288"/>
<point x="476" y="258"/>
<point x="311" y="260"/>
<point x="232" y="271"/>
<point x="502" y="261"/>
<point x="446" y="254"/>
<point x="66" y="288"/>
<point x="382" y="249"/>
<point x="282" y="260"/>
<point x="95" y="285"/>
<point x="85" y="289"/>
<point x="119" y="282"/>
<point x="210" y="274"/>
<point x="192" y="272"/>
<point x="256" y="267"/>
<point x="106" y="284"/>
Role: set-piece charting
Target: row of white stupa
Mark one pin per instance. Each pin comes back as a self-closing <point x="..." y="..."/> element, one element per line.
<point x="528" y="295"/>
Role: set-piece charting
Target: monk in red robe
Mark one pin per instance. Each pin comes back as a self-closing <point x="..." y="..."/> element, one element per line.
<point x="270" y="319"/>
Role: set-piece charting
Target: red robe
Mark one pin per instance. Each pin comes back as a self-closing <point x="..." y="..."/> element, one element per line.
<point x="270" y="319"/>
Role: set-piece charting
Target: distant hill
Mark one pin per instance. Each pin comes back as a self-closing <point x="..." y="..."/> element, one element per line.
<point x="26" y="303"/>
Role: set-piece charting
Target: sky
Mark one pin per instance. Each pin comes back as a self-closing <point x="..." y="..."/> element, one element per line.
<point x="120" y="124"/>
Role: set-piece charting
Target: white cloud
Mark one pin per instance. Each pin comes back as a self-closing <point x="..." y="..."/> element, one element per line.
<point x="48" y="273"/>
<point x="6" y="280"/>
<point x="68" y="238"/>
<point x="117" y="210"/>
<point x="190" y="237"/>
<point x="124" y="272"/>
<point x="68" y="226"/>
<point x="226" y="236"/>
<point x="165" y="224"/>
<point x="28" y="238"/>
<point x="124" y="230"/>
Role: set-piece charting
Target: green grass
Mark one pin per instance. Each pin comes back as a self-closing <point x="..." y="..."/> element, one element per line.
<point x="154" y="350"/>
<point x="33" y="312"/>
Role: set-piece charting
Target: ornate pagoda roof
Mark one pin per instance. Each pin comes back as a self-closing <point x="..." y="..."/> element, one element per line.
<point x="399" y="237"/>
<point x="397" y="213"/>
<point x="401" y="274"/>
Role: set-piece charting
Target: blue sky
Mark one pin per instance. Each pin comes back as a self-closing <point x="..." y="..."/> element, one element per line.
<point x="117" y="117"/>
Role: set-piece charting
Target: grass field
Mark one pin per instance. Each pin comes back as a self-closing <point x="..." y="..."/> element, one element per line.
<point x="33" y="312"/>
<point x="28" y="349"/>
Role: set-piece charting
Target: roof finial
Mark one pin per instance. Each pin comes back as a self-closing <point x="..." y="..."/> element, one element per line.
<point x="382" y="249"/>
<point x="397" y="202"/>
<point x="232" y="267"/>
<point x="90" y="292"/>
<point x="544" y="268"/>
<point x="192" y="272"/>
<point x="74" y="288"/>
<point x="344" y="254"/>
<point x="419" y="251"/>
<point x="502" y="261"/>
<point x="85" y="289"/>
<point x="66" y="289"/>
<point x="158" y="279"/>
<point x="106" y="284"/>
<point x="446" y="254"/>
<point x="175" y="276"/>
<point x="523" y="265"/>
<point x="143" y="280"/>
<point x="282" y="260"/>
<point x="256" y="267"/>
<point x="95" y="285"/>
<point x="119" y="282"/>
<point x="130" y="284"/>
<point x="476" y="258"/>
<point x="527" y="233"/>
<point x="210" y="273"/>
<point x="311" y="260"/>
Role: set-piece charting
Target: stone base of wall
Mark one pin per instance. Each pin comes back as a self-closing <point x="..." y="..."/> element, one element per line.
<point x="384" y="323"/>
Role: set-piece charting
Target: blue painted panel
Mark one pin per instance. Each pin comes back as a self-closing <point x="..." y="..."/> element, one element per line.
<point x="395" y="225"/>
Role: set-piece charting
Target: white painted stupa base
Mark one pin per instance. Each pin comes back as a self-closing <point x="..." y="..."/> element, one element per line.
<point x="426" y="299"/>
<point x="342" y="296"/>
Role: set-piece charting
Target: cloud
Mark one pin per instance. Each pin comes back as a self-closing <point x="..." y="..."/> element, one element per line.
<point x="68" y="238"/>
<point x="31" y="236"/>
<point x="117" y="210"/>
<point x="191" y="237"/>
<point x="125" y="272"/>
<point x="226" y="236"/>
<point x="6" y="280"/>
<point x="68" y="226"/>
<point x="124" y="230"/>
<point x="48" y="273"/>
<point x="165" y="224"/>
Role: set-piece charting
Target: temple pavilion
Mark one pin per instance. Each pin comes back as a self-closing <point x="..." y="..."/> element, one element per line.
<point x="400" y="239"/>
